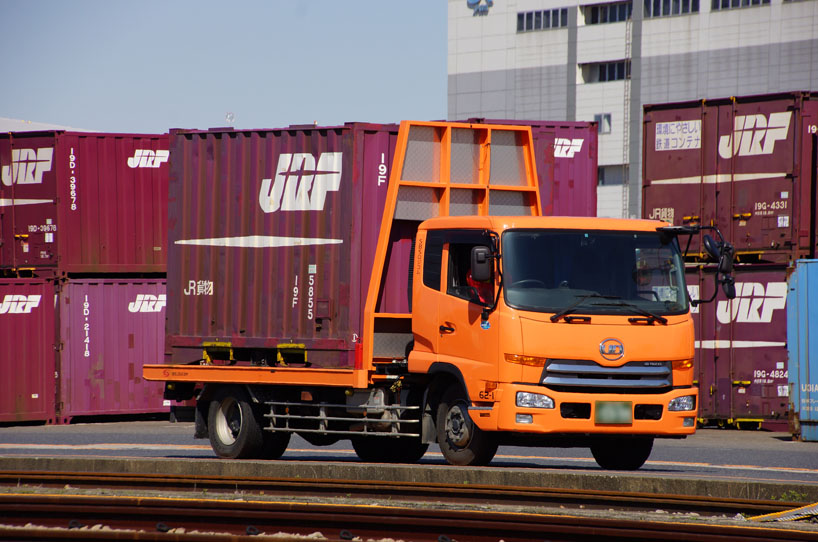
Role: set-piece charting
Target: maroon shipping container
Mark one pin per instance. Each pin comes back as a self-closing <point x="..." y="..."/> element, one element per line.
<point x="86" y="203"/>
<point x="238" y="199"/>
<point x="27" y="325"/>
<point x="741" y="346"/>
<point x="76" y="348"/>
<point x="746" y="164"/>
<point x="567" y="155"/>
<point x="108" y="330"/>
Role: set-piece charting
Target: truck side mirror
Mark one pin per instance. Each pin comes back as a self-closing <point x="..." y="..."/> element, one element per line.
<point x="481" y="263"/>
<point x="711" y="247"/>
<point x="726" y="258"/>
<point x="728" y="284"/>
<point x="720" y="252"/>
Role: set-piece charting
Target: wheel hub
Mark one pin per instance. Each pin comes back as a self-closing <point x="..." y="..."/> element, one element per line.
<point x="229" y="421"/>
<point x="458" y="426"/>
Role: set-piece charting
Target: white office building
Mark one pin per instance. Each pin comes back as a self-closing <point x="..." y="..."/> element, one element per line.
<point x="586" y="61"/>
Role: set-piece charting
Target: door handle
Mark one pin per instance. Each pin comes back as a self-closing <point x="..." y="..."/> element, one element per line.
<point x="446" y="329"/>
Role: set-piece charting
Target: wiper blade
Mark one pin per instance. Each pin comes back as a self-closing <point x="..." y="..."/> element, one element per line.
<point x="573" y="307"/>
<point x="638" y="310"/>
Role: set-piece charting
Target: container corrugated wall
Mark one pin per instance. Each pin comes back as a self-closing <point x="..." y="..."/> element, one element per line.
<point x="77" y="347"/>
<point x="108" y="330"/>
<point x="27" y="350"/>
<point x="272" y="236"/>
<point x="747" y="164"/>
<point x="741" y="347"/>
<point x="567" y="164"/>
<point x="83" y="203"/>
<point x="802" y="337"/>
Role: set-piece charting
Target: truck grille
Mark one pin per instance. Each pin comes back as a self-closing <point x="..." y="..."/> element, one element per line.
<point x="579" y="373"/>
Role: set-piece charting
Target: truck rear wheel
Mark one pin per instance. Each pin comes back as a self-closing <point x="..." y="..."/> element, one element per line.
<point x="462" y="442"/>
<point x="389" y="449"/>
<point x="232" y="426"/>
<point x="275" y="444"/>
<point x="622" y="453"/>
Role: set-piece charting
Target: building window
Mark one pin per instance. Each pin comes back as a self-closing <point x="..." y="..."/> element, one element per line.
<point x="608" y="13"/>
<point x="603" y="123"/>
<point x="666" y="8"/>
<point x="610" y="175"/>
<point x="603" y="72"/>
<point x="612" y="71"/>
<point x="530" y="21"/>
<point x="719" y="5"/>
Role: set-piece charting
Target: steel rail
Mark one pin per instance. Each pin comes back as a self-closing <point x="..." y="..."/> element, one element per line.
<point x="398" y="491"/>
<point x="141" y="516"/>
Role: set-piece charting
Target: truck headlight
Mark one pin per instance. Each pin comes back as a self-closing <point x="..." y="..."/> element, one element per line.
<point x="687" y="402"/>
<point x="534" y="400"/>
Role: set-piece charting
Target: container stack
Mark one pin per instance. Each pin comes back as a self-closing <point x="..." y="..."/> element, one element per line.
<point x="747" y="165"/>
<point x="83" y="252"/>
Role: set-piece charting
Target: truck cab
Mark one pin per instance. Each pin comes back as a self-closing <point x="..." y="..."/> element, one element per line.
<point x="587" y="331"/>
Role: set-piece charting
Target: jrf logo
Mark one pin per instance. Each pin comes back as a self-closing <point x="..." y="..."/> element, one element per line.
<point x="19" y="304"/>
<point x="148" y="158"/>
<point x="300" y="183"/>
<point x="755" y="135"/>
<point x="28" y="166"/>
<point x="567" y="148"/>
<point x="754" y="304"/>
<point x="148" y="303"/>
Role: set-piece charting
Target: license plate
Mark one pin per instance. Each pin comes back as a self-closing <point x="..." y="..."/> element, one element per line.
<point x="613" y="412"/>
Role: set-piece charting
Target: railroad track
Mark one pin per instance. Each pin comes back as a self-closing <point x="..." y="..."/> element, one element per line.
<point x="188" y="520"/>
<point x="396" y="491"/>
<point x="184" y="508"/>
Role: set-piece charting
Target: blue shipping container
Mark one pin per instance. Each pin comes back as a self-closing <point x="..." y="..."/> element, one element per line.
<point x="802" y="341"/>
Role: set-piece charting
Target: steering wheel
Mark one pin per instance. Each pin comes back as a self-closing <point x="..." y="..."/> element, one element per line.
<point x="528" y="283"/>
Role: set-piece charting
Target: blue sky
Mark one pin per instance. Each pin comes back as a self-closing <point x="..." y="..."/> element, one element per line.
<point x="147" y="66"/>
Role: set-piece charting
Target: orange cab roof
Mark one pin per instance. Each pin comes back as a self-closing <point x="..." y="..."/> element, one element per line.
<point x="500" y="223"/>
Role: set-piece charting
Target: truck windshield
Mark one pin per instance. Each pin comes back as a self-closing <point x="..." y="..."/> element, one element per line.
<point x="593" y="272"/>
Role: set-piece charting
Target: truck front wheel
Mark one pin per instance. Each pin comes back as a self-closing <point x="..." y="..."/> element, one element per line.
<point x="621" y="453"/>
<point x="232" y="426"/>
<point x="460" y="440"/>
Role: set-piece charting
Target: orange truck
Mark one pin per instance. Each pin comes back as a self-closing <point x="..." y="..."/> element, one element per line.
<point x="482" y="322"/>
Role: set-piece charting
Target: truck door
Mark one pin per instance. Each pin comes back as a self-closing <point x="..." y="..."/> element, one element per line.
<point x="426" y="291"/>
<point x="464" y="339"/>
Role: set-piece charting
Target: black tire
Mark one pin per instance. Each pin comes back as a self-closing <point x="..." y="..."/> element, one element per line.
<point x="367" y="449"/>
<point x="622" y="453"/>
<point x="462" y="442"/>
<point x="389" y="449"/>
<point x="275" y="444"/>
<point x="232" y="426"/>
<point x="409" y="450"/>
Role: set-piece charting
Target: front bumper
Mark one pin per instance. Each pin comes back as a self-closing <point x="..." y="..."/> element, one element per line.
<point x="578" y="413"/>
